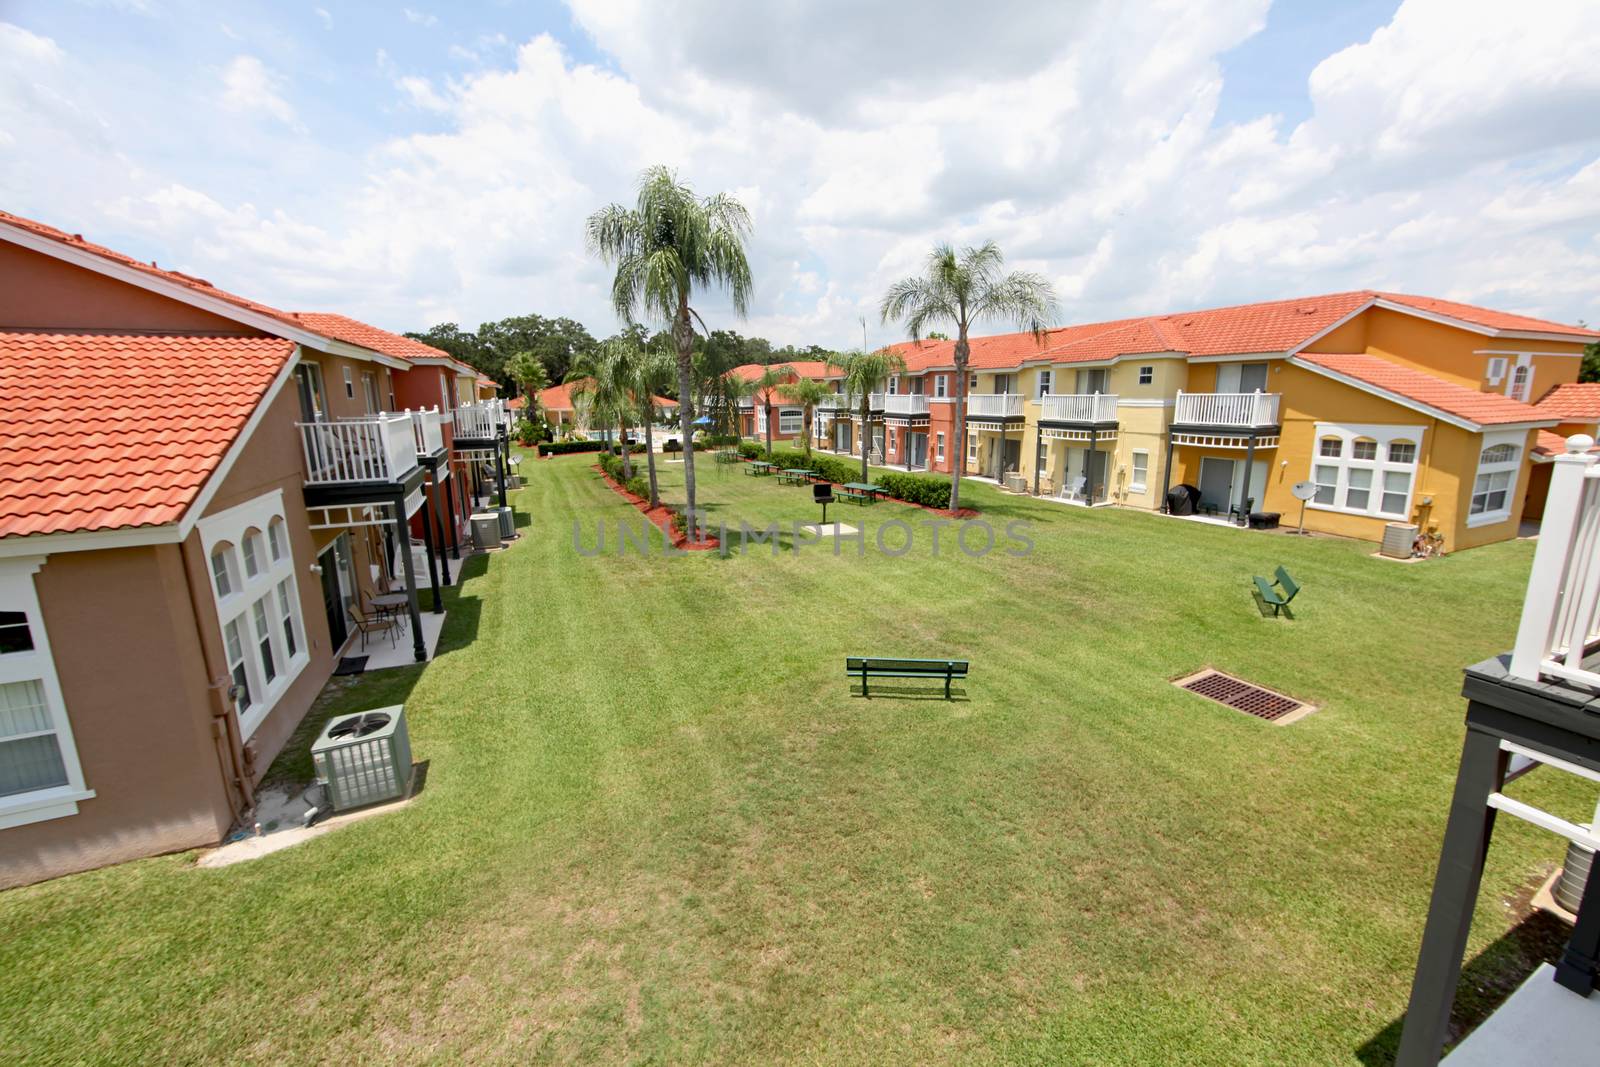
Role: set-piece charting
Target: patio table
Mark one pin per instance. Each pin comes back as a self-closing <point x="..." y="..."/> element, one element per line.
<point x="761" y="467"/>
<point x="795" y="475"/>
<point x="861" y="492"/>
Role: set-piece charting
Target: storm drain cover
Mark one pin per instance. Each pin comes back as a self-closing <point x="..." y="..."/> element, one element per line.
<point x="1241" y="695"/>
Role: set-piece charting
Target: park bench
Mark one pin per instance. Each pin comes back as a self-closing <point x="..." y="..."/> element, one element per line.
<point x="860" y="492"/>
<point x="868" y="667"/>
<point x="1279" y="592"/>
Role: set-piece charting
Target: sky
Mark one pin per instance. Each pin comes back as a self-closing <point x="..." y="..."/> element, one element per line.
<point x="410" y="165"/>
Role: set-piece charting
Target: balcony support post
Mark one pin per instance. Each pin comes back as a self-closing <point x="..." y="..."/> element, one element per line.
<point x="1166" y="474"/>
<point x="1249" y="466"/>
<point x="1088" y="462"/>
<point x="402" y="534"/>
<point x="1455" y="892"/>
<point x="450" y="510"/>
<point x="500" y="472"/>
<point x="433" y="559"/>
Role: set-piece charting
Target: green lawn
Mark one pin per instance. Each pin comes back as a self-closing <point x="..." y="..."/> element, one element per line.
<point x="657" y="827"/>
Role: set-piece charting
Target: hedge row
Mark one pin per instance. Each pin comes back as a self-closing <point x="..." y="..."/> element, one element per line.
<point x="561" y="448"/>
<point x="921" y="489"/>
<point x="717" y="440"/>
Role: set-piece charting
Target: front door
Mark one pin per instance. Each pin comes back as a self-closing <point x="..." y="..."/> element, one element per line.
<point x="333" y="597"/>
<point x="1013" y="453"/>
<point x="916" y="450"/>
<point x="1216" y="483"/>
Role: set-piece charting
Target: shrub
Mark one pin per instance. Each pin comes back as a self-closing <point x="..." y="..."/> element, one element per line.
<point x="830" y="467"/>
<point x="917" y="489"/>
<point x="638" y="485"/>
<point x="718" y="440"/>
<point x="612" y="465"/>
<point x="750" y="449"/>
<point x="561" y="448"/>
<point x="635" y="448"/>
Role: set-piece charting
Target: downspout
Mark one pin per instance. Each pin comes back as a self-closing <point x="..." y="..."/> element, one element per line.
<point x="224" y="720"/>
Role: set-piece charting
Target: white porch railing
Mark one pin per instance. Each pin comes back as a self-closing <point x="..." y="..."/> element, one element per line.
<point x="994" y="405"/>
<point x="905" y="404"/>
<point x="838" y="402"/>
<point x="477" y="420"/>
<point x="1561" y="610"/>
<point x="376" y="448"/>
<point x="1079" y="407"/>
<point x="428" y="426"/>
<point x="1244" y="410"/>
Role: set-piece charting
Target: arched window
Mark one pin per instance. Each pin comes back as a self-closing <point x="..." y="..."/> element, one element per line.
<point x="1402" y="451"/>
<point x="1364" y="448"/>
<point x="222" y="572"/>
<point x="252" y="552"/>
<point x="1497" y="478"/>
<point x="277" y="539"/>
<point x="1498" y="454"/>
<point x="1331" y="448"/>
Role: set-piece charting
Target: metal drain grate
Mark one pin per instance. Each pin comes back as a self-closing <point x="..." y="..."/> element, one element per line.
<point x="1241" y="695"/>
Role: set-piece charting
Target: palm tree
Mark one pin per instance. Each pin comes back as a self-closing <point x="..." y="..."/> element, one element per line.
<point x="866" y="373"/>
<point x="765" y="385"/>
<point x="962" y="289"/>
<point x="734" y="389"/>
<point x="528" y="371"/>
<point x="603" y="382"/>
<point x="654" y="371"/>
<point x="808" y="393"/>
<point x="670" y="242"/>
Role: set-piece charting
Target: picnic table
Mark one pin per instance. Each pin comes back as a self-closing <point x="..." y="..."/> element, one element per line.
<point x="795" y="475"/>
<point x="860" y="492"/>
<point x="759" y="467"/>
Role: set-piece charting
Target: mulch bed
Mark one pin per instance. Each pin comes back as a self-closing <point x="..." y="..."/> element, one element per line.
<point x="661" y="515"/>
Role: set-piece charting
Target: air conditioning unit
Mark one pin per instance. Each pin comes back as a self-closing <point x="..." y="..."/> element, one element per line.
<point x="508" y="524"/>
<point x="486" y="529"/>
<point x="365" y="758"/>
<point x="1398" y="537"/>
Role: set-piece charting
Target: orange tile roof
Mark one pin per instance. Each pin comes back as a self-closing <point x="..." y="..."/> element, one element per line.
<point x="356" y="332"/>
<point x="557" y="397"/>
<point x="107" y="431"/>
<point x="1549" y="443"/>
<point x="1484" y="409"/>
<point x="802" y="368"/>
<point x="188" y="281"/>
<point x="1494" y="320"/>
<point x="1572" y="402"/>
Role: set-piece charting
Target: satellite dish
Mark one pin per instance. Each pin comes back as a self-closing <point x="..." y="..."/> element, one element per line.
<point x="1303" y="491"/>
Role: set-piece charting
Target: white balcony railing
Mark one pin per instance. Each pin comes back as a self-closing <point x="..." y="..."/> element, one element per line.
<point x="837" y="402"/>
<point x="482" y="419"/>
<point x="1079" y="407"/>
<point x="905" y="404"/>
<point x="428" y="426"/>
<point x="1561" y="610"/>
<point x="994" y="405"/>
<point x="1244" y="410"/>
<point x="376" y="448"/>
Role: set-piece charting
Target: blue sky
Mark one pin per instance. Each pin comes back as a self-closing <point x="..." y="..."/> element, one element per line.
<point x="417" y="163"/>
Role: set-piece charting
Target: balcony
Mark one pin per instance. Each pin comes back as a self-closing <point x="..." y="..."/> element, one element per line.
<point x="478" y="421"/>
<point x="1561" y="611"/>
<point x="994" y="406"/>
<point x="904" y="405"/>
<point x="1235" y="411"/>
<point x="377" y="448"/>
<point x="428" y="427"/>
<point x="1092" y="409"/>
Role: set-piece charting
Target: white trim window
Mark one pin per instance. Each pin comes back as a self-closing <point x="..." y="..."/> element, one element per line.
<point x="1044" y="383"/>
<point x="761" y="419"/>
<point x="349" y="385"/>
<point x="938" y="440"/>
<point x="1495" y="373"/>
<point x="941" y="386"/>
<point x="1141" y="471"/>
<point x="263" y="636"/>
<point x="1495" y="486"/>
<point x="972" y="450"/>
<point x="790" y="420"/>
<point x="972" y="382"/>
<point x="1365" y="470"/>
<point x="1147" y="375"/>
<point x="40" y="777"/>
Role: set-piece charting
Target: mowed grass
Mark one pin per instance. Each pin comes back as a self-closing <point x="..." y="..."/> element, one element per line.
<point x="658" y="827"/>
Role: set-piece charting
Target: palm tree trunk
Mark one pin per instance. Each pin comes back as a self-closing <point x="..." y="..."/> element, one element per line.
<point x="957" y="468"/>
<point x="683" y="337"/>
<point x="650" y="455"/>
<point x="768" y="409"/>
<point x="627" y="458"/>
<point x="809" y="418"/>
<point x="866" y="435"/>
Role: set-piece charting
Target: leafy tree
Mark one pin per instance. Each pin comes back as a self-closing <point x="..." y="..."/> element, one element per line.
<point x="808" y="393"/>
<point x="1589" y="371"/>
<point x="866" y="373"/>
<point x="603" y="382"/>
<point x="557" y="343"/>
<point x="964" y="289"/>
<point x="663" y="248"/>
<point x="462" y="344"/>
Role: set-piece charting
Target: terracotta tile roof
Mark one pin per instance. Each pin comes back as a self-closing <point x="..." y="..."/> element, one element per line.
<point x="1494" y="320"/>
<point x="356" y="332"/>
<point x="199" y="285"/>
<point x="1484" y="409"/>
<point x="556" y="397"/>
<point x="1572" y="402"/>
<point x="1549" y="443"/>
<point x="106" y="431"/>
<point x="802" y="368"/>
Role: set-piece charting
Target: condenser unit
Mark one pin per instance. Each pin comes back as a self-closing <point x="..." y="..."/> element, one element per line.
<point x="1398" y="537"/>
<point x="364" y="758"/>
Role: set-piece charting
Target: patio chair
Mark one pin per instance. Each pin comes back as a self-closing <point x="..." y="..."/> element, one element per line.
<point x="1073" y="489"/>
<point x="366" y="624"/>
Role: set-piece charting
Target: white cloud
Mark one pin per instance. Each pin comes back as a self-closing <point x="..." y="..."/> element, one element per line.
<point x="1456" y="152"/>
<point x="420" y="18"/>
<point x="250" y="87"/>
<point x="326" y="17"/>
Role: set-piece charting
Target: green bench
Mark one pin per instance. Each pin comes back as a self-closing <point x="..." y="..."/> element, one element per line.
<point x="868" y="667"/>
<point x="1279" y="592"/>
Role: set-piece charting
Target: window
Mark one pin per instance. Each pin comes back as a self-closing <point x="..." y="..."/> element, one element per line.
<point x="972" y="383"/>
<point x="1141" y="471"/>
<point x="1093" y="380"/>
<point x="941" y="386"/>
<point x="894" y="385"/>
<point x="1521" y="383"/>
<point x="790" y="420"/>
<point x="263" y="636"/>
<point x="1496" y="482"/>
<point x="277" y="540"/>
<point x="1044" y="383"/>
<point x="349" y="384"/>
<point x="252" y="553"/>
<point x="222" y="569"/>
<point x="1365" y="470"/>
<point x="938" y="439"/>
<point x="972" y="448"/>
<point x="894" y="436"/>
<point x="1496" y="372"/>
<point x="308" y="382"/>
<point x="1147" y="375"/>
<point x="369" y="391"/>
<point x="14" y="633"/>
<point x="30" y="751"/>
